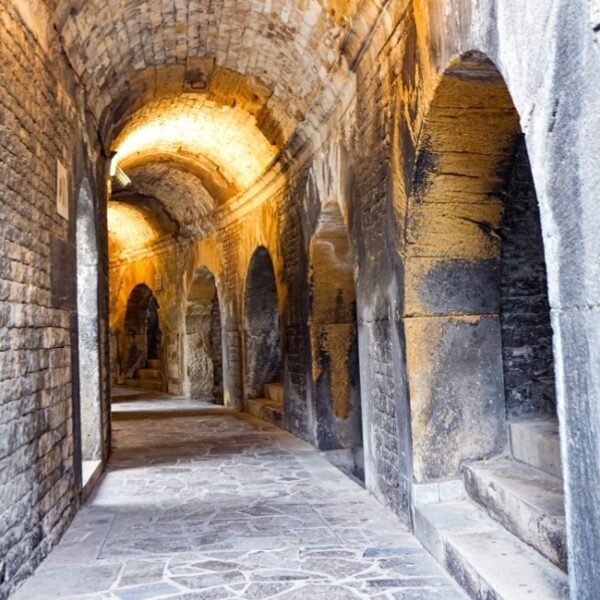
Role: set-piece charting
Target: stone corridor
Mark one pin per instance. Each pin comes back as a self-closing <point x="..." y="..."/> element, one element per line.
<point x="299" y="299"/>
<point x="203" y="502"/>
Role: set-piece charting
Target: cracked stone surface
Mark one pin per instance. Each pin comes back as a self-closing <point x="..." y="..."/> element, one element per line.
<point x="216" y="505"/>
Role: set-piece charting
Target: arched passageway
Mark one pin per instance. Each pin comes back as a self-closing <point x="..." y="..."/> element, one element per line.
<point x="203" y="348"/>
<point x="143" y="339"/>
<point x="206" y="131"/>
<point x="479" y="340"/>
<point x="333" y="333"/>
<point x="262" y="337"/>
<point x="89" y="406"/>
<point x="477" y="305"/>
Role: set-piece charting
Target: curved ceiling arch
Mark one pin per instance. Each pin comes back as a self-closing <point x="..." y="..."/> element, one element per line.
<point x="290" y="51"/>
<point x="192" y="125"/>
<point x="180" y="194"/>
<point x="132" y="227"/>
<point x="198" y="76"/>
<point x="207" y="172"/>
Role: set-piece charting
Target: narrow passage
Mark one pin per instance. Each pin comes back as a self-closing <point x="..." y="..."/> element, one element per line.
<point x="200" y="502"/>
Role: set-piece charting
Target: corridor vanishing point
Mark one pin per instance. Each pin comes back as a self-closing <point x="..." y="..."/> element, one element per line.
<point x="299" y="299"/>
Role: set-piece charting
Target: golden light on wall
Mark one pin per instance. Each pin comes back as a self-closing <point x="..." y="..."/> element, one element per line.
<point x="128" y="228"/>
<point x="227" y="136"/>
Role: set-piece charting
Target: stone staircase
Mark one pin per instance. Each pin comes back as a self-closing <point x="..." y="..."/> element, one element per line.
<point x="269" y="408"/>
<point x="505" y="537"/>
<point x="147" y="378"/>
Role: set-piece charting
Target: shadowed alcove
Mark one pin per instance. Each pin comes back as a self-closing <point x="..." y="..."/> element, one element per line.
<point x="333" y="333"/>
<point x="262" y="329"/>
<point x="203" y="346"/>
<point x="477" y="314"/>
<point x="142" y="332"/>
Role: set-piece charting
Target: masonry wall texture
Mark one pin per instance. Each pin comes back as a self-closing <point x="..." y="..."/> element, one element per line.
<point x="526" y="331"/>
<point x="353" y="106"/>
<point x="262" y="326"/>
<point x="41" y="122"/>
<point x="216" y="349"/>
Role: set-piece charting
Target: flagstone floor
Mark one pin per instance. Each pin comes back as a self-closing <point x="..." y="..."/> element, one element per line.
<point x="200" y="502"/>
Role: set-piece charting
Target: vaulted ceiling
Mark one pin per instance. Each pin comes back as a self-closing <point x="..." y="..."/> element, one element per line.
<point x="206" y="132"/>
<point x="210" y="89"/>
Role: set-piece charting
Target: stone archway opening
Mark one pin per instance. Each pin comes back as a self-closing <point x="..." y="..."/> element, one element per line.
<point x="479" y="340"/>
<point x="143" y="338"/>
<point x="334" y="340"/>
<point x="203" y="347"/>
<point x="263" y="369"/>
<point x="89" y="413"/>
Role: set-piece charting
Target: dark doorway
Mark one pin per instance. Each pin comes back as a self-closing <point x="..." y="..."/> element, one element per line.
<point x="262" y="329"/>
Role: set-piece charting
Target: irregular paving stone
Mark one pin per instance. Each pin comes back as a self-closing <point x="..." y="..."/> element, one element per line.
<point x="216" y="565"/>
<point x="141" y="571"/>
<point x="284" y="575"/>
<point x="261" y="591"/>
<point x="145" y="592"/>
<point x="424" y="593"/>
<point x="320" y="591"/>
<point x="378" y="552"/>
<point x="199" y="582"/>
<point x="335" y="567"/>
<point x="221" y="593"/>
<point x="408" y="566"/>
<point x="69" y="582"/>
<point x="211" y="507"/>
<point x="411" y="582"/>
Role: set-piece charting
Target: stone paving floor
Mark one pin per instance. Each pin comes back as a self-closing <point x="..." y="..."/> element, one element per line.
<point x="209" y="504"/>
<point x="132" y="400"/>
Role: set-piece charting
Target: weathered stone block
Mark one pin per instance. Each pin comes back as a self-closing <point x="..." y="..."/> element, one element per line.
<point x="456" y="393"/>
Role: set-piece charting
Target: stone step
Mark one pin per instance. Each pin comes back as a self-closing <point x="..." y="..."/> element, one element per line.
<point x="488" y="561"/>
<point x="149" y="374"/>
<point x="266" y="409"/>
<point x="153" y="363"/>
<point x="526" y="501"/>
<point x="536" y="442"/>
<point x="274" y="391"/>
<point x="147" y="384"/>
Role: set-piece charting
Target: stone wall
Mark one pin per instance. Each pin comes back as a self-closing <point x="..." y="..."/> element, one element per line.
<point x="262" y="326"/>
<point x="159" y="271"/>
<point x="198" y="359"/>
<point x="39" y="443"/>
<point x="360" y="143"/>
<point x="216" y="349"/>
<point x="182" y="315"/>
<point x="525" y="311"/>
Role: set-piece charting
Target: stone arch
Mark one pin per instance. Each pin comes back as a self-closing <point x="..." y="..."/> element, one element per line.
<point x="262" y="326"/>
<point x="203" y="347"/>
<point x="88" y="327"/>
<point x="333" y="333"/>
<point x="143" y="335"/>
<point x="476" y="311"/>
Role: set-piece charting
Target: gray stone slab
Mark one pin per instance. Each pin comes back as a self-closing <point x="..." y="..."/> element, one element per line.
<point x="321" y="591"/>
<point x="483" y="562"/>
<point x="480" y="554"/>
<point x="536" y="442"/>
<point x="206" y="580"/>
<point x="425" y="593"/>
<point x="137" y="572"/>
<point x="526" y="501"/>
<point x="68" y="582"/>
<point x="83" y="541"/>
<point x="216" y="507"/>
<point x="147" y="591"/>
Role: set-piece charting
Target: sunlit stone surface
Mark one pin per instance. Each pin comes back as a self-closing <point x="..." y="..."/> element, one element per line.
<point x="203" y="502"/>
<point x="189" y="124"/>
